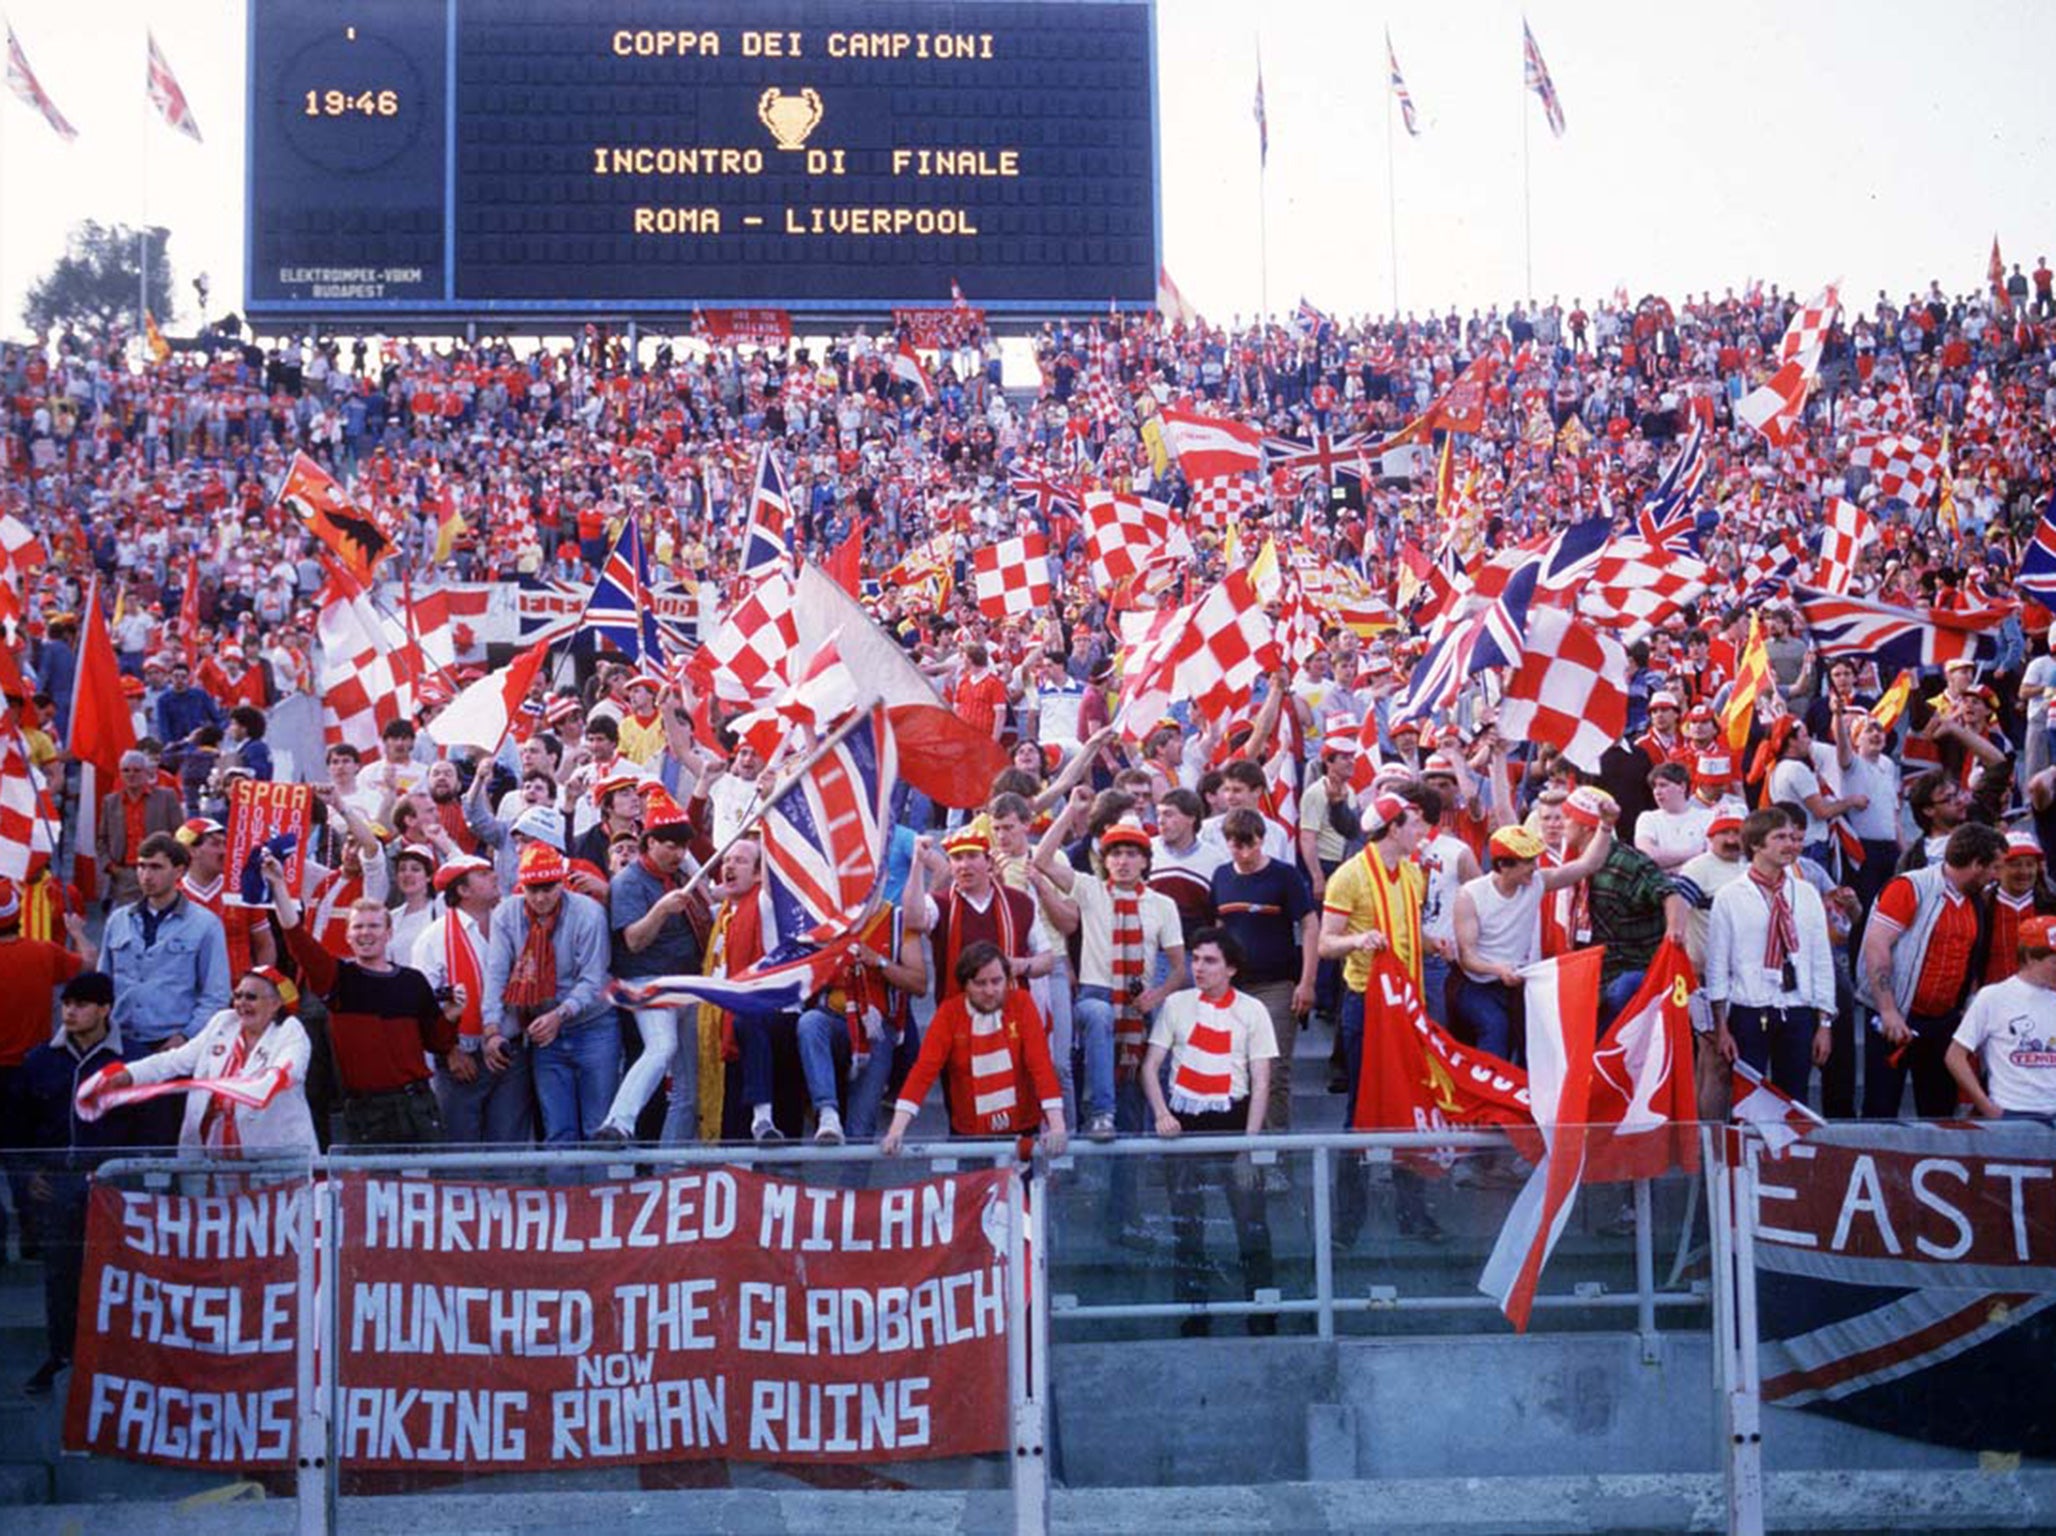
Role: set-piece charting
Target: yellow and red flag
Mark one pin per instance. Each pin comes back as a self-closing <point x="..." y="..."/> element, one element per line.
<point x="1752" y="680"/>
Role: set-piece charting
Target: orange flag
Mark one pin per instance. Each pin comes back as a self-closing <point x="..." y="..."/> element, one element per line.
<point x="325" y="509"/>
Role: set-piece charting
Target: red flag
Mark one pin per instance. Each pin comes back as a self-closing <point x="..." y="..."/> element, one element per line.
<point x="189" y="609"/>
<point x="484" y="712"/>
<point x="906" y="366"/>
<point x="1415" y="1077"/>
<point x="1995" y="269"/>
<point x="1562" y="1011"/>
<point x="1644" y="1108"/>
<point x="846" y="564"/>
<point x="326" y="510"/>
<point x="101" y="730"/>
<point x="1778" y="1118"/>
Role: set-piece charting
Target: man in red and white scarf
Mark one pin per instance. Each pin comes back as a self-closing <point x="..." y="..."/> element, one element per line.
<point x="1124" y="928"/>
<point x="1770" y="965"/>
<point x="481" y="1085"/>
<point x="1220" y="1045"/>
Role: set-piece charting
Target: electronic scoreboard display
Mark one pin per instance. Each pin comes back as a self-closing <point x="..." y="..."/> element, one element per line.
<point x="563" y="157"/>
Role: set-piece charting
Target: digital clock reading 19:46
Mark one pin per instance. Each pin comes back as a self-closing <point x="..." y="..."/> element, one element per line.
<point x="334" y="103"/>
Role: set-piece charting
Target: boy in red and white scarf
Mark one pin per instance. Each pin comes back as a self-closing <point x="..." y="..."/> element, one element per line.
<point x="1220" y="1045"/>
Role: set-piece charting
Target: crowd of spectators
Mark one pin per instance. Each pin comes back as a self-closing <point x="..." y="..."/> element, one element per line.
<point x="1130" y="936"/>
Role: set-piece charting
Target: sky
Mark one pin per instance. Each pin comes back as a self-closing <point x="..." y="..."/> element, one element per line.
<point x="1880" y="143"/>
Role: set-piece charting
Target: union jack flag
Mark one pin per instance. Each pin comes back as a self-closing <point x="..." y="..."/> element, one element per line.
<point x="1042" y="493"/>
<point x="165" y="92"/>
<point x="825" y="835"/>
<point x="1538" y="81"/>
<point x="29" y="90"/>
<point x="2038" y="560"/>
<point x="1898" y="637"/>
<point x="766" y="549"/>
<point x="1666" y="515"/>
<point x="1406" y="102"/>
<point x="1327" y="456"/>
<point x="619" y="608"/>
<point x="1309" y="320"/>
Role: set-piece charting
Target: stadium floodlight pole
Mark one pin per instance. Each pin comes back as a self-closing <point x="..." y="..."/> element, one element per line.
<point x="1263" y="201"/>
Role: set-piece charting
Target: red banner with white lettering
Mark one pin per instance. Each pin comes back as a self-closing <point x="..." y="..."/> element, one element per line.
<point x="934" y="328"/>
<point x="759" y="327"/>
<point x="713" y="1314"/>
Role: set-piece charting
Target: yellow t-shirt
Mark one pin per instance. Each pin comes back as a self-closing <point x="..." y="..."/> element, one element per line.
<point x="1371" y="896"/>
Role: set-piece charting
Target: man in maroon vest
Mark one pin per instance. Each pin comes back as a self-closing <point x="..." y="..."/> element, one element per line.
<point x="976" y="906"/>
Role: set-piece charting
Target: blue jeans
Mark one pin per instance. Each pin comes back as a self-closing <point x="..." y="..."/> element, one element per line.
<point x="825" y="1058"/>
<point x="575" y="1078"/>
<point x="760" y="1035"/>
<point x="1435" y="988"/>
<point x="1093" y="1018"/>
<point x="1617" y="994"/>
<point x="1486" y="1010"/>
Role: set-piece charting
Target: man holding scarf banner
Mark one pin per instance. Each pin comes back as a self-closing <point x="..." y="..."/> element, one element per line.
<point x="1415" y="1077"/>
<point x="260" y="815"/>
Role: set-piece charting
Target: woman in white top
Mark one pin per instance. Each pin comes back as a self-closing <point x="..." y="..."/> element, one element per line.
<point x="255" y="1052"/>
<point x="1220" y="1045"/>
<point x="1676" y="830"/>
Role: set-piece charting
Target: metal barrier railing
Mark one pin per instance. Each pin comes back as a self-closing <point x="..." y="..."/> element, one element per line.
<point x="1031" y="1302"/>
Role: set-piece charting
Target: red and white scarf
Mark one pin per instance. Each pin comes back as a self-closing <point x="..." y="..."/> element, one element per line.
<point x="1131" y="1026"/>
<point x="995" y="1090"/>
<point x="1203" y="1081"/>
<point x="230" y="1092"/>
<point x="1781" y="936"/>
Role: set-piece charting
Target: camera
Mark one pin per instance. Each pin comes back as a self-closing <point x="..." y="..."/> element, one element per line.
<point x="446" y="994"/>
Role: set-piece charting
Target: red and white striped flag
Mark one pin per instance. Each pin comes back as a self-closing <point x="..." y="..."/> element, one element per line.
<point x="1562" y="998"/>
<point x="1848" y="529"/>
<point x="29" y="90"/>
<point x="1570" y="689"/>
<point x="168" y="97"/>
<point x="1012" y="577"/>
<point x="1171" y="303"/>
<point x="906" y="366"/>
<point x="1211" y="446"/>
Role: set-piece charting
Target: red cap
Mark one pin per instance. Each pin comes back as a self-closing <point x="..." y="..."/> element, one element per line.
<point x="2038" y="933"/>
<point x="541" y="865"/>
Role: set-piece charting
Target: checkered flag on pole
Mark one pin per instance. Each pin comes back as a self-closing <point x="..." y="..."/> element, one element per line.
<point x="1012" y="577"/>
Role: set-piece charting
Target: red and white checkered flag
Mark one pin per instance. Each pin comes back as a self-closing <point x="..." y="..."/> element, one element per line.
<point x="1848" y="529"/>
<point x="1230" y="644"/>
<point x="1773" y="407"/>
<point x="1103" y="398"/>
<point x="750" y="654"/>
<point x="1012" y="577"/>
<point x="1981" y="410"/>
<point x="1299" y="624"/>
<point x="368" y="670"/>
<point x="1635" y="588"/>
<point x="1125" y="534"/>
<point x="1570" y="689"/>
<point x="18" y="805"/>
<point x="1903" y="465"/>
<point x="1223" y="500"/>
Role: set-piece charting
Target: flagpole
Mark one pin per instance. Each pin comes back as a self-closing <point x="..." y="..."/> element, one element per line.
<point x="143" y="229"/>
<point x="1263" y="234"/>
<point x="1527" y="190"/>
<point x="1391" y="181"/>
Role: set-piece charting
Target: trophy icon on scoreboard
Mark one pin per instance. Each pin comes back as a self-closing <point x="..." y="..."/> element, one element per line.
<point x="790" y="118"/>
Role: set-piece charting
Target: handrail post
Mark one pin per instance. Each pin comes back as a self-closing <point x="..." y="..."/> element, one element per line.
<point x="1026" y="1409"/>
<point x="1645" y="1274"/>
<point x="1324" y="1252"/>
<point x="313" y="1456"/>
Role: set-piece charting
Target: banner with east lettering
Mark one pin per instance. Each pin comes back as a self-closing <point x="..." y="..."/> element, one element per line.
<point x="709" y="1314"/>
<point x="258" y="813"/>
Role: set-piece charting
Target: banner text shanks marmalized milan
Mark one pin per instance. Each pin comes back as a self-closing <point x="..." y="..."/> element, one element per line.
<point x="714" y="1314"/>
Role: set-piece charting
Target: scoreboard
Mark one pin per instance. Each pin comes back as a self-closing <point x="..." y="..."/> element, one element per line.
<point x="472" y="158"/>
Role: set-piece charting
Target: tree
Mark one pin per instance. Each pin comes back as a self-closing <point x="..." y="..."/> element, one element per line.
<point x="93" y="284"/>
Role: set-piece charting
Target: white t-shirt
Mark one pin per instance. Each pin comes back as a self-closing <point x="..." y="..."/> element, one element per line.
<point x="1878" y="821"/>
<point x="2010" y="1027"/>
<point x="1681" y="835"/>
<point x="1250" y="1037"/>
<point x="1440" y="857"/>
<point x="1160" y="930"/>
<point x="1792" y="782"/>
